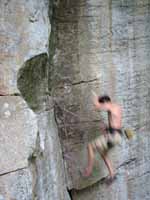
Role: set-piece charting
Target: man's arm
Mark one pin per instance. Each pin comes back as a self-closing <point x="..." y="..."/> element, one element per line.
<point x="96" y="102"/>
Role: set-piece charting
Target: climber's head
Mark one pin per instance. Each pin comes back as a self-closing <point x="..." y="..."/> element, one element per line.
<point x="104" y="103"/>
<point x="104" y="99"/>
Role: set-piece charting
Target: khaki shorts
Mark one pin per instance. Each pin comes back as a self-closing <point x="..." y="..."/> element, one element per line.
<point x="104" y="142"/>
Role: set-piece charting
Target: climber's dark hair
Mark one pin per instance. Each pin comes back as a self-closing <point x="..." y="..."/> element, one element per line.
<point x="104" y="99"/>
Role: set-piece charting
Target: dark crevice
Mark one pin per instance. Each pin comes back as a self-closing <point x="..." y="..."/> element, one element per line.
<point x="70" y="194"/>
<point x="132" y="6"/>
<point x="19" y="169"/>
<point x="15" y="94"/>
<point x="32" y="161"/>
<point x="79" y="122"/>
<point x="145" y="173"/>
<point x="65" y="21"/>
<point x="7" y="95"/>
<point x="127" y="162"/>
<point x="87" y="81"/>
<point x="77" y="83"/>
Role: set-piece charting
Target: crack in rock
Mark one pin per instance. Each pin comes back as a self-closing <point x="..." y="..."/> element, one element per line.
<point x="19" y="169"/>
<point x="127" y="162"/>
<point x="86" y="81"/>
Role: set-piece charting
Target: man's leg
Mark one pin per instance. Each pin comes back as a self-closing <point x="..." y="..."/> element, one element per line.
<point x="108" y="164"/>
<point x="91" y="156"/>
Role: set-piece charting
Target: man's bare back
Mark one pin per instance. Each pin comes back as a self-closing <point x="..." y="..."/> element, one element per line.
<point x="115" y="116"/>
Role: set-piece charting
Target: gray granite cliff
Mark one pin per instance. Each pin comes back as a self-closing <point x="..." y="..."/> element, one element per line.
<point x="53" y="54"/>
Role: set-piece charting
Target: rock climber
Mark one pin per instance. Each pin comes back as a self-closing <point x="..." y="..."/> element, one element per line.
<point x="110" y="137"/>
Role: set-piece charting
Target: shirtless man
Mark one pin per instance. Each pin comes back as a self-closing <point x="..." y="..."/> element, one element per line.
<point x="111" y="136"/>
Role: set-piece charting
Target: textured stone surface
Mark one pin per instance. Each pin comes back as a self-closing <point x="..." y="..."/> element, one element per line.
<point x="97" y="45"/>
<point x="102" y="46"/>
<point x="32" y="82"/>
<point x="16" y="185"/>
<point x="30" y="153"/>
<point x="73" y="79"/>
<point x="18" y="131"/>
<point x="24" y="33"/>
<point x="83" y="34"/>
<point x="48" y="163"/>
<point x="132" y="61"/>
<point x="133" y="175"/>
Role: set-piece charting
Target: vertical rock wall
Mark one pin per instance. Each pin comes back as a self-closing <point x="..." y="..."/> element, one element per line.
<point x="95" y="45"/>
<point x="31" y="165"/>
<point x="103" y="46"/>
<point x="24" y="31"/>
<point x="46" y="162"/>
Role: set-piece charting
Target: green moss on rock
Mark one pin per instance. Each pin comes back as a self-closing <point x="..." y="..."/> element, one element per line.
<point x="32" y="81"/>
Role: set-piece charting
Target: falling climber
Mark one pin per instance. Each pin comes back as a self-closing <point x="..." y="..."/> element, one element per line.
<point x="111" y="136"/>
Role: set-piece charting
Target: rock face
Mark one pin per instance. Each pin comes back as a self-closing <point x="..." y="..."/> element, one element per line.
<point x="31" y="165"/>
<point x="54" y="54"/>
<point x="46" y="162"/>
<point x="18" y="130"/>
<point x="24" y="31"/>
<point x="103" y="46"/>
